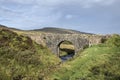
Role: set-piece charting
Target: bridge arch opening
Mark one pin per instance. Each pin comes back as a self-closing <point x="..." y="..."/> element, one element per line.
<point x="66" y="50"/>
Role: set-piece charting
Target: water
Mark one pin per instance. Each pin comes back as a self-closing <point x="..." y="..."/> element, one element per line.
<point x="67" y="57"/>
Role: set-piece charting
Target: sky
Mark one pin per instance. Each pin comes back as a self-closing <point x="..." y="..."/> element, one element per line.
<point x="93" y="16"/>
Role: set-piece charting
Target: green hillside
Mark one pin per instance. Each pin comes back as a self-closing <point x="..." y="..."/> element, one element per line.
<point x="100" y="62"/>
<point x="21" y="58"/>
<point x="60" y="31"/>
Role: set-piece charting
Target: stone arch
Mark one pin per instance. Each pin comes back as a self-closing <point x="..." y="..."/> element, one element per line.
<point x="53" y="42"/>
<point x="62" y="41"/>
<point x="58" y="46"/>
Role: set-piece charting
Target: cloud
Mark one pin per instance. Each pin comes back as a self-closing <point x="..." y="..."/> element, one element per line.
<point x="91" y="3"/>
<point x="69" y="16"/>
<point x="27" y="14"/>
<point x="18" y="1"/>
<point x="49" y="3"/>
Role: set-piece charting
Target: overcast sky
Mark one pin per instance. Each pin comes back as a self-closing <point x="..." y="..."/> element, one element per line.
<point x="94" y="16"/>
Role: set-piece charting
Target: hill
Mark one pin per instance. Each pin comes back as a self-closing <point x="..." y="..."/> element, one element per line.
<point x="5" y="27"/>
<point x="60" y="30"/>
<point x="49" y="30"/>
<point x="21" y="58"/>
<point x="99" y="62"/>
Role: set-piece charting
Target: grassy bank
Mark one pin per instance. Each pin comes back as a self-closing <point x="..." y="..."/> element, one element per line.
<point x="100" y="62"/>
<point x="23" y="59"/>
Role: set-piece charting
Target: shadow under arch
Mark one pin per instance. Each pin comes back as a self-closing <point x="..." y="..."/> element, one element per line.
<point x="66" y="50"/>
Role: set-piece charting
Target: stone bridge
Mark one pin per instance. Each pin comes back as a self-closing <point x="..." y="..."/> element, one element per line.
<point x="53" y="41"/>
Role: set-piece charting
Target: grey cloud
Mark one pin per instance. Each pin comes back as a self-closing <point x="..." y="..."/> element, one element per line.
<point x="60" y="2"/>
<point x="86" y="14"/>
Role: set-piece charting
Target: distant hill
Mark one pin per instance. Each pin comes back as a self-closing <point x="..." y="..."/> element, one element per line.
<point x="5" y="27"/>
<point x="60" y="30"/>
<point x="49" y="30"/>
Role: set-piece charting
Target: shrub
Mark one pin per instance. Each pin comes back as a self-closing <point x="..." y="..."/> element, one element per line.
<point x="114" y="41"/>
<point x="23" y="59"/>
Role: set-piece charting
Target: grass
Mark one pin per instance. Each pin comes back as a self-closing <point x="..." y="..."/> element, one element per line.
<point x="22" y="58"/>
<point x="95" y="63"/>
<point x="66" y="49"/>
<point x="99" y="62"/>
<point x="69" y="46"/>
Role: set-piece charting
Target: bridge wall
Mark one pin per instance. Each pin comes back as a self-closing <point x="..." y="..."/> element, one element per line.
<point x="52" y="41"/>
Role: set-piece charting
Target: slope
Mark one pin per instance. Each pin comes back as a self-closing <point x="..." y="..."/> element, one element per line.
<point x="21" y="58"/>
<point x="59" y="30"/>
<point x="100" y="62"/>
